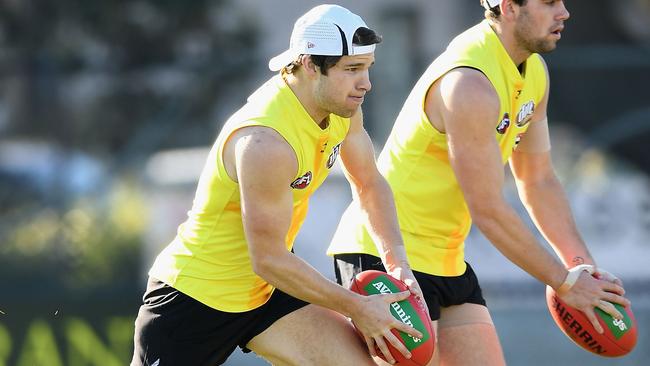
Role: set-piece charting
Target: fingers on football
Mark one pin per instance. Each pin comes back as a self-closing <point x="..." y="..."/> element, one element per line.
<point x="620" y="283"/>
<point x="607" y="276"/>
<point x="399" y="346"/>
<point x="613" y="287"/>
<point x="415" y="291"/>
<point x="607" y="307"/>
<point x="398" y="296"/>
<point x="591" y="315"/>
<point x="370" y="343"/>
<point x="381" y="344"/>
<point x="616" y="299"/>
<point x="407" y="329"/>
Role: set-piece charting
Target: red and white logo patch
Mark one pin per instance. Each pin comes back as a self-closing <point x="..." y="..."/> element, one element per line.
<point x="504" y="124"/>
<point x="302" y="182"/>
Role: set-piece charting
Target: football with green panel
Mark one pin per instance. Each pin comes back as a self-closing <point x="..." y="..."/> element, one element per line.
<point x="409" y="311"/>
<point x="619" y="336"/>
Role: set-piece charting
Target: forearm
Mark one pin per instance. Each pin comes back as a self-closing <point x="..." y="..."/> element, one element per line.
<point x="378" y="207"/>
<point x="549" y="208"/>
<point x="507" y="232"/>
<point x="297" y="278"/>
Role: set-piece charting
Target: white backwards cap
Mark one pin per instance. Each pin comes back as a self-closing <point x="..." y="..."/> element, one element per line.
<point x="489" y="4"/>
<point x="325" y="30"/>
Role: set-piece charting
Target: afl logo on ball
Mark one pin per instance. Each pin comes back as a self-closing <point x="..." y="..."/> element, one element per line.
<point x="302" y="182"/>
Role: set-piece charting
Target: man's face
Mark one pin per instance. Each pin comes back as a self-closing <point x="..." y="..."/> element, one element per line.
<point x="539" y="24"/>
<point x="342" y="90"/>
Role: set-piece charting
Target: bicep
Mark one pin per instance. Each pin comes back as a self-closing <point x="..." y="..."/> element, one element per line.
<point x="531" y="167"/>
<point x="470" y="109"/>
<point x="265" y="165"/>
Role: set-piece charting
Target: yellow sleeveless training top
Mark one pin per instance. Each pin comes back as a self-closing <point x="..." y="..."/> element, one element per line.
<point x="208" y="260"/>
<point x="433" y="215"/>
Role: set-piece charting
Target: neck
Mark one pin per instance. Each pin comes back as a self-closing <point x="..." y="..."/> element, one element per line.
<point x="305" y="95"/>
<point x="507" y="37"/>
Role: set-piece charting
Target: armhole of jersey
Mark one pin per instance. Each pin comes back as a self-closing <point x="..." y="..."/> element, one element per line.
<point x="222" y="144"/>
<point x="424" y="96"/>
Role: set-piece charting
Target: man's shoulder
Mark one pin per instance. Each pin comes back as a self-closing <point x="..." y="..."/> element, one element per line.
<point x="468" y="89"/>
<point x="469" y="81"/>
<point x="260" y="138"/>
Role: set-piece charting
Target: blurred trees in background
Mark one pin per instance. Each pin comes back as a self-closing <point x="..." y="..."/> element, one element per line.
<point x="89" y="90"/>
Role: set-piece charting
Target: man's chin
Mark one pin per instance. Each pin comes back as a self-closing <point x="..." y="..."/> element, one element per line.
<point x="548" y="47"/>
<point x="347" y="113"/>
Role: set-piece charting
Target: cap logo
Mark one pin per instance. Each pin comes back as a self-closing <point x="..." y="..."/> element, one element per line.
<point x="310" y="45"/>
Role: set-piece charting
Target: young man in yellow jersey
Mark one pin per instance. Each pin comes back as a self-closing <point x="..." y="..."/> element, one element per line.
<point x="229" y="278"/>
<point x="482" y="103"/>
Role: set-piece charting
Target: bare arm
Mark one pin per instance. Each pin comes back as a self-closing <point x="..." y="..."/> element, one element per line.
<point x="265" y="166"/>
<point x="543" y="196"/>
<point x="541" y="192"/>
<point x="375" y="199"/>
<point x="372" y="192"/>
<point x="470" y="107"/>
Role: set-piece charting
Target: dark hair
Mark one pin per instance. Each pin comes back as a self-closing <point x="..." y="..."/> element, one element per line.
<point x="362" y="37"/>
<point x="495" y="11"/>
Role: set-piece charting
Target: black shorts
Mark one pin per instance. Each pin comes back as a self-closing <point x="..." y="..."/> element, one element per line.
<point x="438" y="291"/>
<point x="175" y="329"/>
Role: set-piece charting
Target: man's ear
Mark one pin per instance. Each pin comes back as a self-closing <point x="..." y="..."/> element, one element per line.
<point x="509" y="9"/>
<point x="309" y="67"/>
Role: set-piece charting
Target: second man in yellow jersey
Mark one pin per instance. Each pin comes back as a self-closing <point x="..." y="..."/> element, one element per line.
<point x="478" y="106"/>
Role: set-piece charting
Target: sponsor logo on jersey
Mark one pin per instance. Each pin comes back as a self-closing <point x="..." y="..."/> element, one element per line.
<point x="525" y="112"/>
<point x="504" y="124"/>
<point x="302" y="182"/>
<point x="332" y="158"/>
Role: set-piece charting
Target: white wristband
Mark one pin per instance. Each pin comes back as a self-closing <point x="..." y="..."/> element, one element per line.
<point x="573" y="275"/>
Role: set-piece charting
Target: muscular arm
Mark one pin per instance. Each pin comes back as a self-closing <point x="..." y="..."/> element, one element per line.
<point x="265" y="165"/>
<point x="542" y="194"/>
<point x="470" y="106"/>
<point x="544" y="198"/>
<point x="373" y="194"/>
<point x="375" y="199"/>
